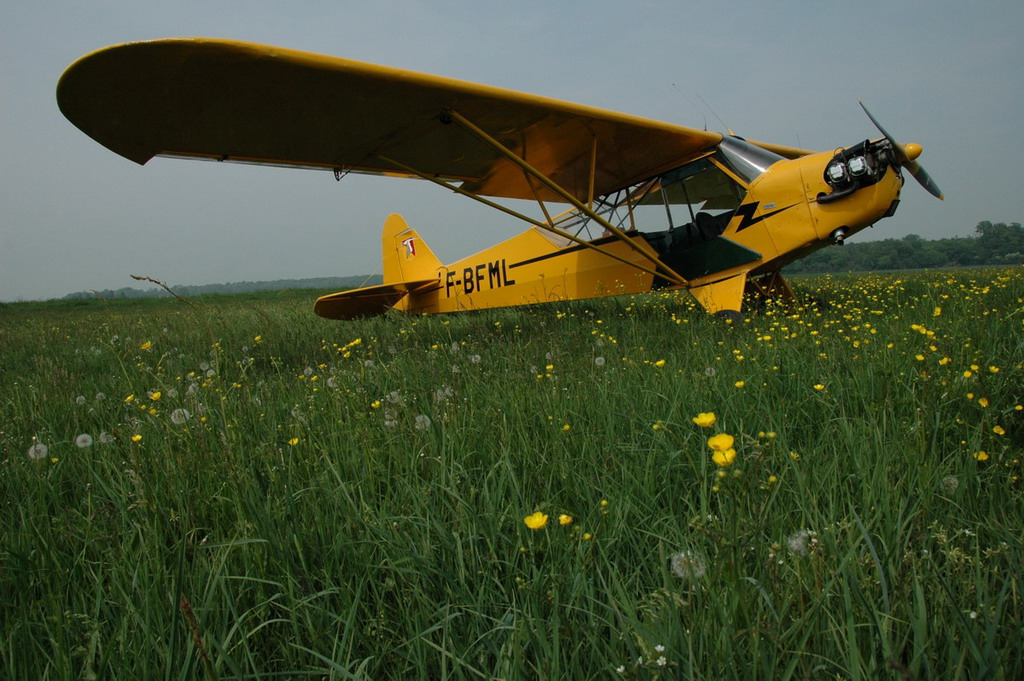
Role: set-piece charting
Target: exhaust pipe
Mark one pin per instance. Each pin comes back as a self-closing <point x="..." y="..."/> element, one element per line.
<point x="839" y="236"/>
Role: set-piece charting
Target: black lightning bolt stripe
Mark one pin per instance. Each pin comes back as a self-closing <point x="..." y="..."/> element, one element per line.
<point x="746" y="211"/>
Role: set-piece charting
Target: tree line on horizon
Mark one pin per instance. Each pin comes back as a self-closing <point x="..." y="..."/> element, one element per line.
<point x="992" y="244"/>
<point x="338" y="283"/>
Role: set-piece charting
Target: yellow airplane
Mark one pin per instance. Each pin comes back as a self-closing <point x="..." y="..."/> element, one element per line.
<point x="642" y="205"/>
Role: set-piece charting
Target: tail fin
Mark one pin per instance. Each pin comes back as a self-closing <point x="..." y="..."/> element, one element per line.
<point x="406" y="256"/>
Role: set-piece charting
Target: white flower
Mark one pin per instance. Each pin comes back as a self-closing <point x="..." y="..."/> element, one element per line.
<point x="661" y="661"/>
<point x="688" y="565"/>
<point x="422" y="422"/>
<point x="38" y="450"/>
<point x="659" y="648"/>
<point x="84" y="440"/>
<point x="180" y="416"/>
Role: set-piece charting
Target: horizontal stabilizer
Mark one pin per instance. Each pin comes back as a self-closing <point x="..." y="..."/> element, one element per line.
<point x="366" y="302"/>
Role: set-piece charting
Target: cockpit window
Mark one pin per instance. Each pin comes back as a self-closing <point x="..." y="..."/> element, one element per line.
<point x="699" y="196"/>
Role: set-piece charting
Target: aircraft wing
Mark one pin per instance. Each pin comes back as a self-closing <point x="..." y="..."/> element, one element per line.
<point x="237" y="101"/>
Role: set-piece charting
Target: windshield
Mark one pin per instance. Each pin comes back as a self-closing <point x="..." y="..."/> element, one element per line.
<point x="745" y="159"/>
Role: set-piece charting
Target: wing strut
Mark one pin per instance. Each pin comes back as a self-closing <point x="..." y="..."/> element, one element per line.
<point x="530" y="171"/>
<point x="536" y="223"/>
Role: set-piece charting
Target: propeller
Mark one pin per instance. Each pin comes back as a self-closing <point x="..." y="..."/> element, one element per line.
<point x="906" y="155"/>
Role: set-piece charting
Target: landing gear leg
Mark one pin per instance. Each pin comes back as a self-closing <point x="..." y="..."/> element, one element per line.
<point x="769" y="286"/>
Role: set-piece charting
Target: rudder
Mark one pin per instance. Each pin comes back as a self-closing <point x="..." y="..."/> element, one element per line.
<point x="406" y="256"/>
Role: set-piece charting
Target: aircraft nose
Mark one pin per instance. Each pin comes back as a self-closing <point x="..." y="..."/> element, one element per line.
<point x="912" y="151"/>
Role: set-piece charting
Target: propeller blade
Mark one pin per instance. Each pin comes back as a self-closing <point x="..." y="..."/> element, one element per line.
<point x="924" y="179"/>
<point x="906" y="159"/>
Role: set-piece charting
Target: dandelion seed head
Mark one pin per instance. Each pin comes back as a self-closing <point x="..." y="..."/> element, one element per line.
<point x="80" y="400"/>
<point x="83" y="441"/>
<point x="38" y="450"/>
<point x="180" y="416"/>
<point x="799" y="542"/>
<point x="422" y="422"/>
<point x="950" y="484"/>
<point x="688" y="565"/>
<point x="599" y="361"/>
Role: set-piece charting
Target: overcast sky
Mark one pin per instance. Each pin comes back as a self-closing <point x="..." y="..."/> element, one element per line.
<point x="75" y="216"/>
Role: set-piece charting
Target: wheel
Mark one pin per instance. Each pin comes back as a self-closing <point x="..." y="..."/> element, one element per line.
<point x="729" y="316"/>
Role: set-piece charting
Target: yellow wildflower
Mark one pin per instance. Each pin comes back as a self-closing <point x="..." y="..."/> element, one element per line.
<point x="981" y="456"/>
<point x="998" y="430"/>
<point x="983" y="401"/>
<point x="739" y="384"/>
<point x="294" y="441"/>
<point x="136" y="437"/>
<point x="564" y="519"/>
<point x="724" y="458"/>
<point x="819" y="386"/>
<point x="721" y="442"/>
<point x="660" y="363"/>
<point x="146" y="346"/>
<point x="705" y="419"/>
<point x="156" y="395"/>
<point x="536" y="521"/>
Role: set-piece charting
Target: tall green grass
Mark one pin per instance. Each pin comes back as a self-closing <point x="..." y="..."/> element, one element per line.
<point x="270" y="495"/>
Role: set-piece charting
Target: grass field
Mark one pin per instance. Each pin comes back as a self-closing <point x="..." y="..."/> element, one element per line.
<point x="235" y="488"/>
